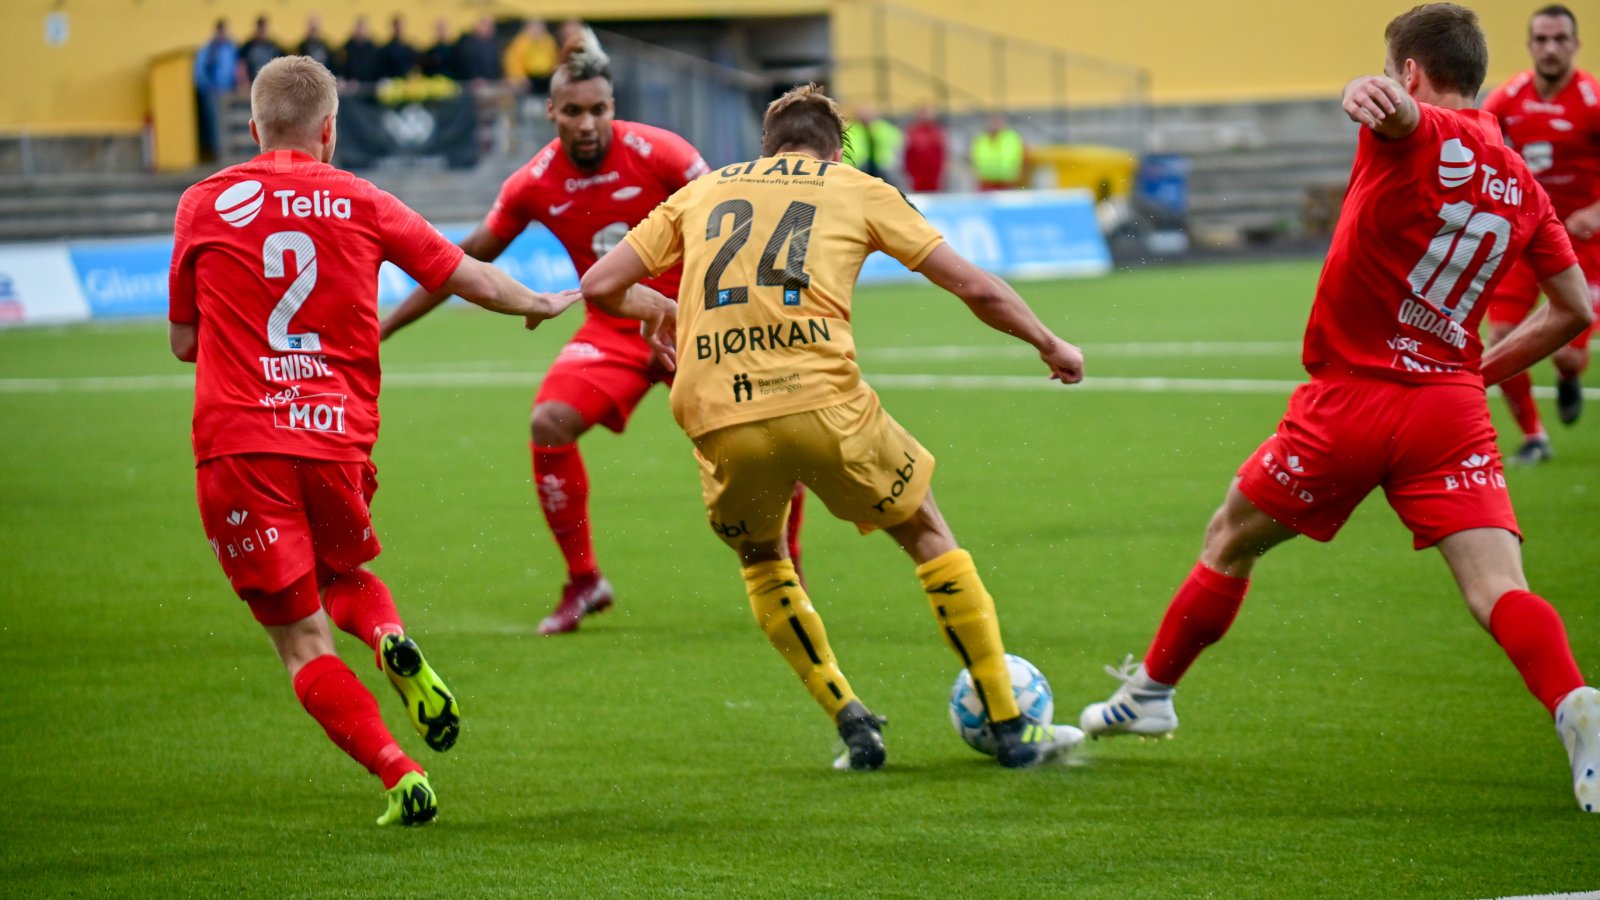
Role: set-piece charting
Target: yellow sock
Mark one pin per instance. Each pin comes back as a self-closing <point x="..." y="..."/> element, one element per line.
<point x="784" y="612"/>
<point x="967" y="617"/>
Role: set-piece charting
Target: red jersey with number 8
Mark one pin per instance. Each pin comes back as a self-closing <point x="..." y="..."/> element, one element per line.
<point x="1430" y="223"/>
<point x="276" y="261"/>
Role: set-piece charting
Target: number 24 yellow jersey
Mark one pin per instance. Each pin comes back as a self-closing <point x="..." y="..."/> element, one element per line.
<point x="770" y="251"/>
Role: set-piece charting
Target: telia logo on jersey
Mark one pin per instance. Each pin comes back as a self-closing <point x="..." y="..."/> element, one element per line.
<point x="627" y="193"/>
<point x="1456" y="163"/>
<point x="239" y="204"/>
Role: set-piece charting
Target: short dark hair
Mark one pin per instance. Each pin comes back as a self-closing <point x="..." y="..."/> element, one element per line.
<point x="803" y="117"/>
<point x="1446" y="41"/>
<point x="1554" y="9"/>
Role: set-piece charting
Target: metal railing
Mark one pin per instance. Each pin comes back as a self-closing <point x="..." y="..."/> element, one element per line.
<point x="922" y="60"/>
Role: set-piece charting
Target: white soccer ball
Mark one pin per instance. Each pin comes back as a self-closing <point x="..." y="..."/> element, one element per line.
<point x="1033" y="694"/>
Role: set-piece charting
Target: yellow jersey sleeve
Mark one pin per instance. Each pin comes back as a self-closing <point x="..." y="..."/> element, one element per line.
<point x="659" y="238"/>
<point x="896" y="227"/>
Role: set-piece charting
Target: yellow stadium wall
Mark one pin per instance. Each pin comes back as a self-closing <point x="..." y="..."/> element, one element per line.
<point x="1195" y="52"/>
<point x="96" y="81"/>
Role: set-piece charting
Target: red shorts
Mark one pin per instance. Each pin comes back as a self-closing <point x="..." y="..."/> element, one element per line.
<point x="603" y="373"/>
<point x="1516" y="296"/>
<point x="1431" y="448"/>
<point x="273" y="519"/>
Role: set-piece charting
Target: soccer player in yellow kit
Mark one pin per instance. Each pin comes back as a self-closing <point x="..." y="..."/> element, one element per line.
<point x="769" y="391"/>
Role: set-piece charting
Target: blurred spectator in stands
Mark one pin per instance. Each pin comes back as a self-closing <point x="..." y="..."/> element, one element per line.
<point x="567" y="29"/>
<point x="872" y="144"/>
<point x="360" y="61"/>
<point x="313" y="45"/>
<point x="440" y="58"/>
<point x="215" y="76"/>
<point x="925" y="152"/>
<point x="477" y="55"/>
<point x="397" y="58"/>
<point x="531" y="57"/>
<point x="257" y="52"/>
<point x="999" y="156"/>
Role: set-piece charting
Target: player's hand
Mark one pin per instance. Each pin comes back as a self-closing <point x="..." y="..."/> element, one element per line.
<point x="1585" y="223"/>
<point x="1065" y="361"/>
<point x="551" y="305"/>
<point x="660" y="331"/>
<point x="1371" y="99"/>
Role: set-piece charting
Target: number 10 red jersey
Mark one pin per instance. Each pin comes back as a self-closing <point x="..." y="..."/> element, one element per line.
<point x="276" y="262"/>
<point x="1430" y="223"/>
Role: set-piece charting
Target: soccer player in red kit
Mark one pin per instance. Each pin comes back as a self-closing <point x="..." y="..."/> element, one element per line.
<point x="1551" y="115"/>
<point x="274" y="296"/>
<point x="598" y="178"/>
<point x="1437" y="208"/>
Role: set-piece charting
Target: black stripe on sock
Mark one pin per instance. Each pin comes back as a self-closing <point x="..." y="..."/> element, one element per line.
<point x="805" y="640"/>
<point x="837" y="694"/>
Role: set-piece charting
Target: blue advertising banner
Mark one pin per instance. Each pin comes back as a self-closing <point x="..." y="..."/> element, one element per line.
<point x="1016" y="234"/>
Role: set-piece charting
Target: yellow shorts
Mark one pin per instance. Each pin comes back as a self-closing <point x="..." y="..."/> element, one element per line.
<point x="854" y="456"/>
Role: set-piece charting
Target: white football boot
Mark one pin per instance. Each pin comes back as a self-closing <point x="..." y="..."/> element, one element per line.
<point x="1578" y="723"/>
<point x="1140" y="706"/>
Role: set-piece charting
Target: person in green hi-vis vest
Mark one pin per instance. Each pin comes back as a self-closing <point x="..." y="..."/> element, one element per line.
<point x="871" y="144"/>
<point x="999" y="156"/>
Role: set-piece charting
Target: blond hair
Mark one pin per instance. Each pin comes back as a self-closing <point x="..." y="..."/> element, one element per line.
<point x="290" y="98"/>
<point x="804" y="117"/>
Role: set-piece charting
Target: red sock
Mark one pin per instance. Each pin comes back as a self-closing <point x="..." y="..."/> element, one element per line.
<point x="360" y="604"/>
<point x="345" y="709"/>
<point x="1198" y="617"/>
<point x="1518" y="391"/>
<point x="1529" y="630"/>
<point x="797" y="515"/>
<point x="563" y="486"/>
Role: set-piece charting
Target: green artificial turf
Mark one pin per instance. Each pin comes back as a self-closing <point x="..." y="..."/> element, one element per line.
<point x="1356" y="734"/>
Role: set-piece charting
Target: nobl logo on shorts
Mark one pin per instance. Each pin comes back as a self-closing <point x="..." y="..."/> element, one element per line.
<point x="238" y="205"/>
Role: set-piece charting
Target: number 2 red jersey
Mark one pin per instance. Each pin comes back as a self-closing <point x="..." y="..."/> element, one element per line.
<point x="590" y="211"/>
<point x="276" y="261"/>
<point x="1558" y="138"/>
<point x="1429" y="222"/>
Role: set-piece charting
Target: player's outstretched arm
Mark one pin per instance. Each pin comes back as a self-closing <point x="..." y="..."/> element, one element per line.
<point x="998" y="306"/>
<point x="481" y="283"/>
<point x="184" y="340"/>
<point x="480" y="244"/>
<point x="612" y="284"/>
<point x="1546" y="330"/>
<point x="1379" y="103"/>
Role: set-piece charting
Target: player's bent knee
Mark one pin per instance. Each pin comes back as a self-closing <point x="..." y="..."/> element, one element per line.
<point x="556" y="425"/>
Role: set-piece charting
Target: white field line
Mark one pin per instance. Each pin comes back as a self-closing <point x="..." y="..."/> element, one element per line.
<point x="913" y="382"/>
<point x="1150" y="349"/>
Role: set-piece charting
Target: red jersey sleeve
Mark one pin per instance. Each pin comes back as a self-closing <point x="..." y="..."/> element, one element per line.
<point x="181" y="305"/>
<point x="412" y="244"/>
<point x="1550" y="251"/>
<point x="510" y="213"/>
<point x="679" y="162"/>
<point x="1425" y="135"/>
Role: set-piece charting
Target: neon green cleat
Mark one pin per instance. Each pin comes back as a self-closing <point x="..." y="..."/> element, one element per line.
<point x="431" y="706"/>
<point x="411" y="802"/>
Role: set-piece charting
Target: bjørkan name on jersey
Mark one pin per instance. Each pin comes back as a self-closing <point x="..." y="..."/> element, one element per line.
<point x="276" y="261"/>
<point x="1429" y="223"/>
